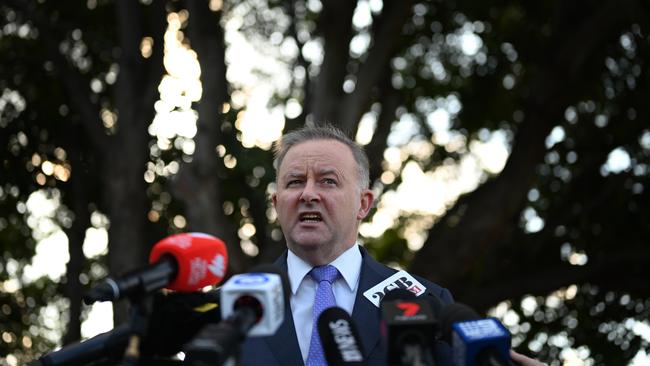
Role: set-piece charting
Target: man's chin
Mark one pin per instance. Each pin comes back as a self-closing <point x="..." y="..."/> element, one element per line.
<point x="309" y="245"/>
<point x="311" y="238"/>
<point x="316" y="253"/>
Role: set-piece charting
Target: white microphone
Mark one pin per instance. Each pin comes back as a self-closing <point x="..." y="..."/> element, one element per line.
<point x="252" y="304"/>
<point x="260" y="291"/>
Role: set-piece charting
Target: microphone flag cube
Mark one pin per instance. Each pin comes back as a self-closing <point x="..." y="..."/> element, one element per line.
<point x="473" y="336"/>
<point x="266" y="288"/>
<point x="409" y="325"/>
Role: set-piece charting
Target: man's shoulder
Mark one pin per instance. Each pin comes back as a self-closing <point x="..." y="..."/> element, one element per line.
<point x="385" y="271"/>
<point x="442" y="293"/>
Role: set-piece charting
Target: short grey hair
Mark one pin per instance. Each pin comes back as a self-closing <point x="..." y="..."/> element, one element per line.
<point x="324" y="132"/>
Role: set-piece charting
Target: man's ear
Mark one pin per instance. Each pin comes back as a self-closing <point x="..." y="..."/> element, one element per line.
<point x="367" y="200"/>
<point x="274" y="198"/>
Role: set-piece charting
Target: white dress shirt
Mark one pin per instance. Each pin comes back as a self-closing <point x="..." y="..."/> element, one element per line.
<point x="303" y="291"/>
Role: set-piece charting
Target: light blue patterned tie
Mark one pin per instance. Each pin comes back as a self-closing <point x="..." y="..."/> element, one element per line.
<point x="324" y="275"/>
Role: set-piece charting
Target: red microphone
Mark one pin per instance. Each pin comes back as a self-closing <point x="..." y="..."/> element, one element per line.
<point x="183" y="262"/>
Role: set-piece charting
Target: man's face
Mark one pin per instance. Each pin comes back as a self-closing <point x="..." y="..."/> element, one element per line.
<point x="318" y="200"/>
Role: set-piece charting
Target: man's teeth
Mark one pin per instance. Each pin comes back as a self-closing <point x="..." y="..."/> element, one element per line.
<point x="310" y="217"/>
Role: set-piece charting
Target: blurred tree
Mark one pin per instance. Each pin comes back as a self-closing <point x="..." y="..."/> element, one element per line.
<point x="556" y="237"/>
<point x="72" y="68"/>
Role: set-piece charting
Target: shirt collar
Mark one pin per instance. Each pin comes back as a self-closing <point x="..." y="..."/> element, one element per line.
<point x="348" y="265"/>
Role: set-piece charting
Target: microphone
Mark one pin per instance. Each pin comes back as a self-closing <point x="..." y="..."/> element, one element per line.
<point x="340" y="339"/>
<point x="263" y="291"/>
<point x="252" y="304"/>
<point x="109" y="343"/>
<point x="183" y="262"/>
<point x="475" y="341"/>
<point x="176" y="317"/>
<point x="410" y="327"/>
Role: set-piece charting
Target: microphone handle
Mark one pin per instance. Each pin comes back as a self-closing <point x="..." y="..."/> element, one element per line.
<point x="92" y="349"/>
<point x="414" y="354"/>
<point x="491" y="357"/>
<point x="215" y="343"/>
<point x="142" y="281"/>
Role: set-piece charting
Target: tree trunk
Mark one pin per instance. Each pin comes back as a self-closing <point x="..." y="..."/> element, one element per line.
<point x="376" y="67"/>
<point x="78" y="204"/>
<point x="198" y="184"/>
<point x="135" y="94"/>
<point x="335" y="24"/>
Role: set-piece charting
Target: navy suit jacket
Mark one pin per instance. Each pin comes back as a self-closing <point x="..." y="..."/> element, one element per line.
<point x="282" y="347"/>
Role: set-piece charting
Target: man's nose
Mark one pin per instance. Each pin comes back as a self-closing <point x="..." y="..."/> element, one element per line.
<point x="309" y="192"/>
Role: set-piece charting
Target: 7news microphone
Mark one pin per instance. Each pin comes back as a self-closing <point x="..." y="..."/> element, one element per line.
<point x="196" y="260"/>
<point x="252" y="304"/>
<point x="411" y="328"/>
<point x="475" y="341"/>
<point x="340" y="338"/>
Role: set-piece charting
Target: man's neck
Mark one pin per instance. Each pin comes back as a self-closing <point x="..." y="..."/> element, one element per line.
<point x="317" y="258"/>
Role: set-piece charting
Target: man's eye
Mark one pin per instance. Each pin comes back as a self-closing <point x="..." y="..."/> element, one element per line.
<point x="293" y="182"/>
<point x="329" y="181"/>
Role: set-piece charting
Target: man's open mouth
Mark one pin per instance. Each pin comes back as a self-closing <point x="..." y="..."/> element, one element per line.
<point x="310" y="217"/>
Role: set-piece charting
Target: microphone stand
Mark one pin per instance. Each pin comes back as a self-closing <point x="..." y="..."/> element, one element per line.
<point x="219" y="344"/>
<point x="414" y="354"/>
<point x="140" y="312"/>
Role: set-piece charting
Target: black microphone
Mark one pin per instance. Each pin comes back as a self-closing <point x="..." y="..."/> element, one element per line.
<point x="475" y="341"/>
<point x="411" y="328"/>
<point x="176" y="317"/>
<point x="252" y="304"/>
<point x="109" y="344"/>
<point x="340" y="339"/>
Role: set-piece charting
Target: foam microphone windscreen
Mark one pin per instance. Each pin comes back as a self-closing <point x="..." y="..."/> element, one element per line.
<point x="453" y="313"/>
<point x="340" y="338"/>
<point x="202" y="260"/>
<point x="398" y="294"/>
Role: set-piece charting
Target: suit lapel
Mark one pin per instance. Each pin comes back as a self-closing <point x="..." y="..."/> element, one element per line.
<point x="365" y="314"/>
<point x="284" y="344"/>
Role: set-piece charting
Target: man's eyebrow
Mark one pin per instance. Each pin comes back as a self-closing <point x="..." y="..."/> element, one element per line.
<point x="294" y="174"/>
<point x="326" y="171"/>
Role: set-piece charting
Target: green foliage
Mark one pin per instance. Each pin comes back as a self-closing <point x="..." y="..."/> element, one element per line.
<point x="603" y="327"/>
<point x="25" y="332"/>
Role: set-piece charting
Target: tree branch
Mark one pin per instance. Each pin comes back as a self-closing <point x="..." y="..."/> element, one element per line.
<point x="390" y="100"/>
<point x="293" y="123"/>
<point x="335" y="23"/>
<point x="614" y="270"/>
<point x="385" y="41"/>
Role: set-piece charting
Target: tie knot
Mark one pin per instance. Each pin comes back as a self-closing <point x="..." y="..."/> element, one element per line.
<point x="324" y="273"/>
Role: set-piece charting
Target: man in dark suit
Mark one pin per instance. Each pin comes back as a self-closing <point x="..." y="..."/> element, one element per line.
<point x="322" y="195"/>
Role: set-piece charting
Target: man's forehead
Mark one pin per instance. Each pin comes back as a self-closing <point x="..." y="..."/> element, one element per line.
<point x="319" y="153"/>
<point x="319" y="145"/>
<point x="299" y="169"/>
